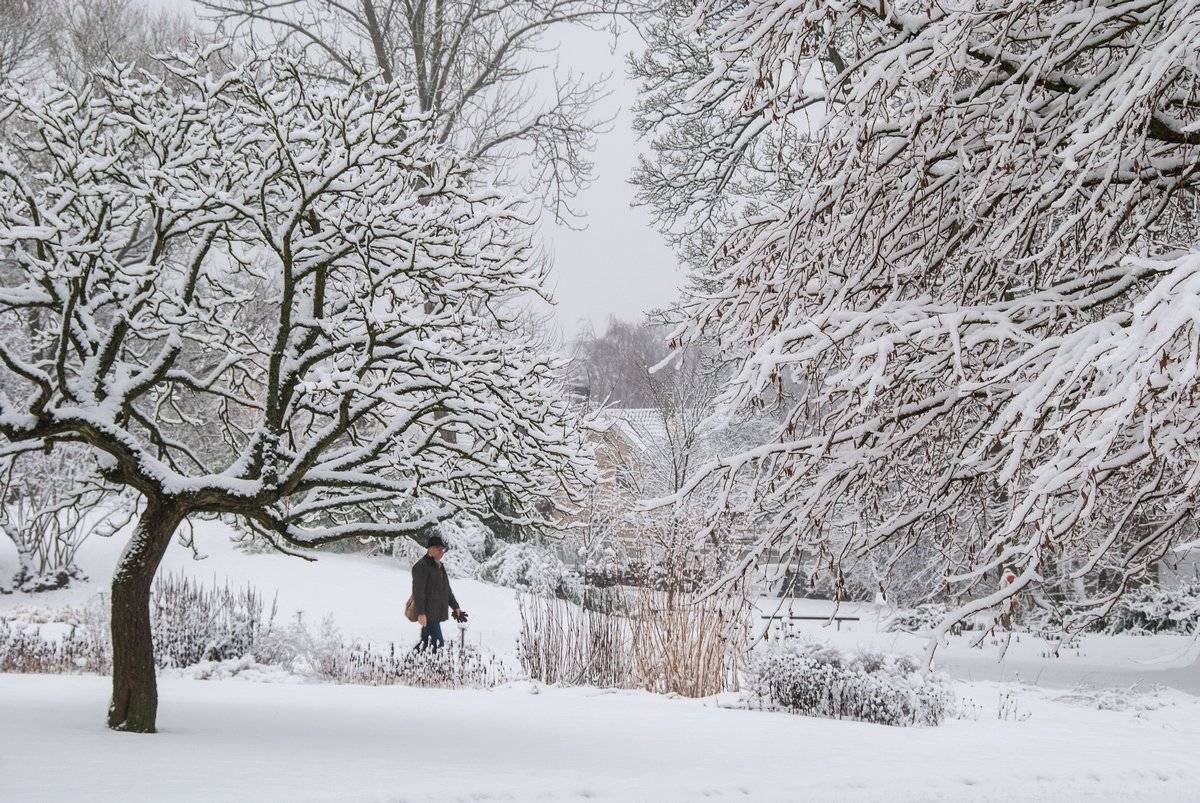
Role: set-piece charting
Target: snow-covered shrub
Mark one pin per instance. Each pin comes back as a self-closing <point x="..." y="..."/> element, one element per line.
<point x="49" y="506"/>
<point x="91" y="614"/>
<point x="470" y="544"/>
<point x="57" y="642"/>
<point x="533" y="569"/>
<point x="923" y="618"/>
<point x="454" y="666"/>
<point x="324" y="655"/>
<point x="191" y="622"/>
<point x="242" y="643"/>
<point x="300" y="648"/>
<point x="26" y="649"/>
<point x="819" y="680"/>
<point x="1153" y="609"/>
<point x="1135" y="697"/>
<point x="470" y="541"/>
<point x="658" y="570"/>
<point x="244" y="668"/>
<point x="914" y="620"/>
<point x="606" y="571"/>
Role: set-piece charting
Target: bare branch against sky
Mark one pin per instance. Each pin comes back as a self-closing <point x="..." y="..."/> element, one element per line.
<point x="615" y="263"/>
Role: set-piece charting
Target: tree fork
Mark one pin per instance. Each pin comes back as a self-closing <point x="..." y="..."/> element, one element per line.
<point x="134" y="704"/>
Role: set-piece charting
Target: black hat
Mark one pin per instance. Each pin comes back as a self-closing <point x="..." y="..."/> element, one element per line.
<point x="435" y="540"/>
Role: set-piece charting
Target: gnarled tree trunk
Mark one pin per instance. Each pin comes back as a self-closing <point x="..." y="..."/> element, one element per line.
<point x="135" y="691"/>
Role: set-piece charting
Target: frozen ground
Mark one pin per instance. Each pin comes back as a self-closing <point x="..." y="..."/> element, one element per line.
<point x="241" y="740"/>
<point x="234" y="740"/>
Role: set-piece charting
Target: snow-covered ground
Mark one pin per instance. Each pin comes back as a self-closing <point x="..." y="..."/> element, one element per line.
<point x="364" y="595"/>
<point x="232" y="740"/>
<point x="235" y="739"/>
<point x="1098" y="659"/>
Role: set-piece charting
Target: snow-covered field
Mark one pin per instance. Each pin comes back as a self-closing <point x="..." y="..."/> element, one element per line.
<point x="232" y="740"/>
<point x="242" y="740"/>
<point x="365" y="596"/>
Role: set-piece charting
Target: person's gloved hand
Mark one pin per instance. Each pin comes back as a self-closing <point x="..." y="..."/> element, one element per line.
<point x="459" y="616"/>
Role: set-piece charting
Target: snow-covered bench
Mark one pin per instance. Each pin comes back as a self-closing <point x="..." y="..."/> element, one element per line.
<point x="793" y="617"/>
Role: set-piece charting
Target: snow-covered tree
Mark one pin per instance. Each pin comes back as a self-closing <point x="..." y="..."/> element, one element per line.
<point x="69" y="38"/>
<point x="611" y="368"/>
<point x="51" y="503"/>
<point x="23" y="34"/>
<point x="255" y="296"/>
<point x="49" y="506"/>
<point x="83" y="35"/>
<point x="710" y="164"/>
<point x="477" y="66"/>
<point x="980" y="265"/>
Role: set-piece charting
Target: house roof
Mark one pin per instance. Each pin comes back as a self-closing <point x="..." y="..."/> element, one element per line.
<point x="644" y="428"/>
<point x="645" y="424"/>
<point x="637" y="437"/>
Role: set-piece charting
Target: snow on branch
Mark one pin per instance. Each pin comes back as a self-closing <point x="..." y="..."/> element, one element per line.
<point x="263" y="295"/>
<point x="976" y="278"/>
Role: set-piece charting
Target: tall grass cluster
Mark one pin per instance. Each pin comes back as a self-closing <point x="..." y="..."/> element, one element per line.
<point x="670" y="643"/>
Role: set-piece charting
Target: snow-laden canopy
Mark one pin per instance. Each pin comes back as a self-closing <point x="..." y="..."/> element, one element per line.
<point x="256" y="294"/>
<point x="977" y="261"/>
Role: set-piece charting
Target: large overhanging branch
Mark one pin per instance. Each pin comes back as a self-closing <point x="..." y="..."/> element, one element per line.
<point x="979" y="287"/>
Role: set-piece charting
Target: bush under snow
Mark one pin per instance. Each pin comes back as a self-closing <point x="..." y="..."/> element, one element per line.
<point x="31" y="642"/>
<point x="217" y="632"/>
<point x="191" y="622"/>
<point x="470" y="542"/>
<point x="526" y="567"/>
<point x="923" y="618"/>
<point x="818" y="680"/>
<point x="1153" y="609"/>
<point x="1136" y="697"/>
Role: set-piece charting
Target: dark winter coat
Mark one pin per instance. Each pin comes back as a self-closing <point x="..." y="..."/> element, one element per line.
<point x="431" y="590"/>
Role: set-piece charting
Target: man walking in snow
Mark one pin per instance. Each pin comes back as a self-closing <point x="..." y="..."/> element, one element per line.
<point x="432" y="596"/>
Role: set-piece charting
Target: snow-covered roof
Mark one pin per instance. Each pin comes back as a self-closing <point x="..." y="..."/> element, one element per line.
<point x="644" y="424"/>
<point x="644" y="427"/>
<point x="606" y="424"/>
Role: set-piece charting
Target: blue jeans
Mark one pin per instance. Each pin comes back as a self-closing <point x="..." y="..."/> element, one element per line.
<point x="431" y="635"/>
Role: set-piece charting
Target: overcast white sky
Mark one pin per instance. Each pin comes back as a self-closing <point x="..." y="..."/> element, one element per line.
<point x="617" y="265"/>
